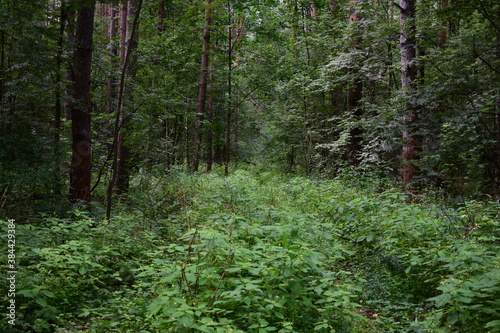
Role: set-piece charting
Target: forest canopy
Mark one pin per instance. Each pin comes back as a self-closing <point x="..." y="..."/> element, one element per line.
<point x="406" y="90"/>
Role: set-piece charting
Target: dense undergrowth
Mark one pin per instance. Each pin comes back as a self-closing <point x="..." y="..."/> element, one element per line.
<point x="260" y="252"/>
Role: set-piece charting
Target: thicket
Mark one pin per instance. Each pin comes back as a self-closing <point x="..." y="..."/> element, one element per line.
<point x="260" y="252"/>
<point x="315" y="235"/>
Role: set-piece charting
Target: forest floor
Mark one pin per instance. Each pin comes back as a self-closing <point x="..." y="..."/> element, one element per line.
<point x="260" y="252"/>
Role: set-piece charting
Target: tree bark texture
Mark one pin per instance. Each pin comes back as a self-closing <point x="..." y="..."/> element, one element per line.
<point x="80" y="170"/>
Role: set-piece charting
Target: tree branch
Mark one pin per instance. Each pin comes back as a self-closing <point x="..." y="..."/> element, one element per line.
<point x="397" y="5"/>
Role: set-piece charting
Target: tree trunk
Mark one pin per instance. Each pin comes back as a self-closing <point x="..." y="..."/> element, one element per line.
<point x="112" y="79"/>
<point x="411" y="140"/>
<point x="210" y="119"/>
<point x="80" y="170"/>
<point x="227" y="150"/>
<point x="124" y="151"/>
<point x="127" y="52"/>
<point x="202" y="87"/>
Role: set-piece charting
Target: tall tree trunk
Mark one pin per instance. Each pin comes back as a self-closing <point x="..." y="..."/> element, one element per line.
<point x="230" y="110"/>
<point x="411" y="140"/>
<point x="124" y="151"/>
<point x="80" y="170"/>
<point x="131" y="46"/>
<point x="202" y="87"/>
<point x="210" y="118"/>
<point x="113" y="51"/>
<point x="227" y="149"/>
<point x="354" y="96"/>
<point x="161" y="16"/>
<point x="234" y="37"/>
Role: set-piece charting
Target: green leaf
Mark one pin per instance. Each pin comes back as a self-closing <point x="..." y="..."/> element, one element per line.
<point x="493" y="324"/>
<point x="47" y="293"/>
<point x="41" y="301"/>
<point x="441" y="300"/>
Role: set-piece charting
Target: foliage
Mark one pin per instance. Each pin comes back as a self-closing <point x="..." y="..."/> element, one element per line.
<point x="261" y="252"/>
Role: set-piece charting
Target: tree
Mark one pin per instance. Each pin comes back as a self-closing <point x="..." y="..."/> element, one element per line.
<point x="210" y="118"/>
<point x="80" y="109"/>
<point x="202" y="86"/>
<point x="118" y="152"/>
<point x="412" y="140"/>
<point x="130" y="44"/>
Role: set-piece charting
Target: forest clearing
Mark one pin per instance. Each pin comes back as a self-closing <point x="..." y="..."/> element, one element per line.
<point x="250" y="166"/>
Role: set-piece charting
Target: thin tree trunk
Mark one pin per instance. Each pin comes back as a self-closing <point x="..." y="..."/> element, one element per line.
<point x="227" y="150"/>
<point x="161" y="16"/>
<point x="118" y="116"/>
<point x="411" y="140"/>
<point x="210" y="118"/>
<point x="124" y="151"/>
<point x="112" y="79"/>
<point x="202" y="87"/>
<point x="81" y="169"/>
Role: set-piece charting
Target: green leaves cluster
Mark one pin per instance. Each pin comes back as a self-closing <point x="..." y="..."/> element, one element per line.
<point x="261" y="252"/>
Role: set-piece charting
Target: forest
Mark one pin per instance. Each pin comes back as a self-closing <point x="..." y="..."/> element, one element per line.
<point x="250" y="166"/>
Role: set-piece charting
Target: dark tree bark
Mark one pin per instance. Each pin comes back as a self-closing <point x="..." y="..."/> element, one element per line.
<point x="411" y="139"/>
<point x="202" y="87"/>
<point x="161" y="16"/>
<point x="80" y="170"/>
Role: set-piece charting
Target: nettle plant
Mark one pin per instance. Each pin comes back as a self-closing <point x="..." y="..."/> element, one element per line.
<point x="260" y="271"/>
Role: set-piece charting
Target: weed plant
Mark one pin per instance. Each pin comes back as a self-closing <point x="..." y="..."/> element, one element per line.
<point x="260" y="252"/>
